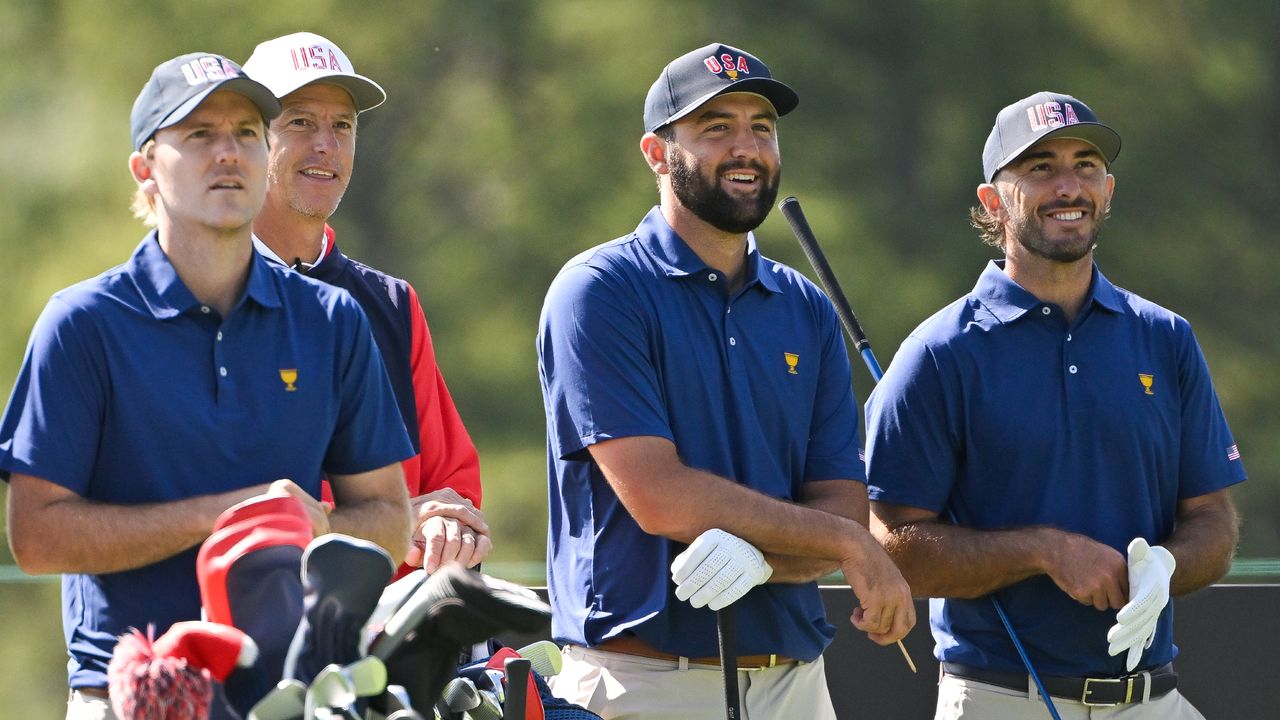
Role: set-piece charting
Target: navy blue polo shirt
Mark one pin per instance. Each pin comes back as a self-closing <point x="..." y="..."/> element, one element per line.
<point x="1000" y="410"/>
<point x="133" y="392"/>
<point x="639" y="337"/>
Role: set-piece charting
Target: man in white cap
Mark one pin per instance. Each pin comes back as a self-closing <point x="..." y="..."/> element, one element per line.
<point x="312" y="145"/>
<point x="191" y="377"/>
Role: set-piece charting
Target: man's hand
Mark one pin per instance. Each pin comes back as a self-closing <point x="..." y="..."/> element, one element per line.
<point x="885" y="610"/>
<point x="1150" y="569"/>
<point x="717" y="569"/>
<point x="316" y="510"/>
<point x="1090" y="572"/>
<point x="447" y="528"/>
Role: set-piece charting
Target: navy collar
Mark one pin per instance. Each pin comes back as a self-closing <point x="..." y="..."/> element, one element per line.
<point x="677" y="259"/>
<point x="1008" y="301"/>
<point x="167" y="296"/>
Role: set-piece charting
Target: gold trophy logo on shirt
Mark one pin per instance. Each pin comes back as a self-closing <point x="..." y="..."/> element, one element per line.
<point x="289" y="376"/>
<point x="792" y="360"/>
<point x="1147" y="381"/>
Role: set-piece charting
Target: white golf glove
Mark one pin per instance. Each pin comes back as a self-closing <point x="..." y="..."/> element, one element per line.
<point x="1150" y="568"/>
<point x="717" y="569"/>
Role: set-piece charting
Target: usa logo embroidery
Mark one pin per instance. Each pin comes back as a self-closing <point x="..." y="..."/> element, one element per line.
<point x="289" y="376"/>
<point x="1051" y="114"/>
<point x="208" y="69"/>
<point x="727" y="64"/>
<point x="792" y="360"/>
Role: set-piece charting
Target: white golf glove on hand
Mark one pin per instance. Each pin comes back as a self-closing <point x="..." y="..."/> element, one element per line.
<point x="717" y="569"/>
<point x="1150" y="568"/>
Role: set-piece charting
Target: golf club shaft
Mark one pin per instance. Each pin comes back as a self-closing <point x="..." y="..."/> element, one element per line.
<point x="727" y="632"/>
<point x="790" y="208"/>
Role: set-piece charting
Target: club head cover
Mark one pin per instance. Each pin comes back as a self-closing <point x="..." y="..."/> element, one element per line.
<point x="454" y="609"/>
<point x="220" y="649"/>
<point x="248" y="571"/>
<point x="342" y="578"/>
<point x="144" y="684"/>
<point x="393" y="596"/>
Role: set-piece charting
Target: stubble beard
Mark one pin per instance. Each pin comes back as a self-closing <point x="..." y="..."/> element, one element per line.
<point x="1029" y="233"/>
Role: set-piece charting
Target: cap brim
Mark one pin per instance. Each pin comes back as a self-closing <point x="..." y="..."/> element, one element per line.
<point x="366" y="93"/>
<point x="781" y="96"/>
<point x="257" y="93"/>
<point x="1106" y="140"/>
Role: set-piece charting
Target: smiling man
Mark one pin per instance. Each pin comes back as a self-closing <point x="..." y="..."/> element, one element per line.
<point x="698" y="392"/>
<point x="313" y="152"/>
<point x="158" y="394"/>
<point x="1071" y="430"/>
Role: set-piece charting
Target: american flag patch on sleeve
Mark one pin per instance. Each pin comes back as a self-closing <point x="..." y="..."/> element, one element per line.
<point x="1233" y="453"/>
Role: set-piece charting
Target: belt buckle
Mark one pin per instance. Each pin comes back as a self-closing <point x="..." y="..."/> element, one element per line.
<point x="1128" y="694"/>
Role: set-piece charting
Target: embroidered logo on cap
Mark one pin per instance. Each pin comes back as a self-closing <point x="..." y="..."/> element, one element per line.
<point x="289" y="376"/>
<point x="316" y="57"/>
<point x="727" y="65"/>
<point x="1051" y="114"/>
<point x="207" y="69"/>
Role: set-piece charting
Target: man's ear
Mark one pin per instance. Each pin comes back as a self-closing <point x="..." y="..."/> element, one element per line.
<point x="140" y="168"/>
<point x="654" y="150"/>
<point x="989" y="196"/>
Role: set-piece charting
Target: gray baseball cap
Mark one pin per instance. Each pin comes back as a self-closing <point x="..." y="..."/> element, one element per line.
<point x="695" y="77"/>
<point x="178" y="86"/>
<point x="1040" y="117"/>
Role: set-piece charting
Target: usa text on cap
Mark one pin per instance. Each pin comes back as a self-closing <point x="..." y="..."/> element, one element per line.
<point x="286" y="63"/>
<point x="695" y="77"/>
<point x="1040" y="117"/>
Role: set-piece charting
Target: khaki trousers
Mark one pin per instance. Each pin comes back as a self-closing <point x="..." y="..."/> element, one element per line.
<point x="972" y="700"/>
<point x="627" y="687"/>
<point x="84" y="707"/>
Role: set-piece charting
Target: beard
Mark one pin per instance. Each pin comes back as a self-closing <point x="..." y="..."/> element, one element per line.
<point x="706" y="199"/>
<point x="1029" y="233"/>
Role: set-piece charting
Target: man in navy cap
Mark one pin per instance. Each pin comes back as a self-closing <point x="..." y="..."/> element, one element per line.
<point x="191" y="377"/>
<point x="1055" y="440"/>
<point x="698" y="392"/>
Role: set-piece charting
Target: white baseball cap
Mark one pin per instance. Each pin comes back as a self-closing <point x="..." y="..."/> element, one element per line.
<point x="286" y="63"/>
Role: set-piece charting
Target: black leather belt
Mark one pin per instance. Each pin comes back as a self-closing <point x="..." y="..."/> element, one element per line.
<point x="1089" y="691"/>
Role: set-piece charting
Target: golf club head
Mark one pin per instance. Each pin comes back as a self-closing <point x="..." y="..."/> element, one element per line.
<point x="460" y="695"/>
<point x="343" y="578"/>
<point x="332" y="688"/>
<point x="488" y="708"/>
<point x="545" y="657"/>
<point x="286" y="702"/>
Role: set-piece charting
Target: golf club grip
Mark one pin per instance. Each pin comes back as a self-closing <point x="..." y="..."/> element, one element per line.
<point x="790" y="208"/>
<point x="727" y="632"/>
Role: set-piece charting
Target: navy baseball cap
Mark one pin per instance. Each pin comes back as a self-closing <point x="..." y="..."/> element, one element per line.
<point x="694" y="78"/>
<point x="1040" y="117"/>
<point x="178" y="86"/>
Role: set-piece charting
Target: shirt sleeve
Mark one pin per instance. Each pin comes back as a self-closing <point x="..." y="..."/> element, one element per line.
<point x="598" y="373"/>
<point x="369" y="432"/>
<point x="1210" y="459"/>
<point x="911" y="456"/>
<point x="448" y="457"/>
<point x="835" y="443"/>
<point x="52" y="426"/>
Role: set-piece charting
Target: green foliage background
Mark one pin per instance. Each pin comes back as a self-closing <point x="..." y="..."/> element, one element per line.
<point x="510" y="142"/>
